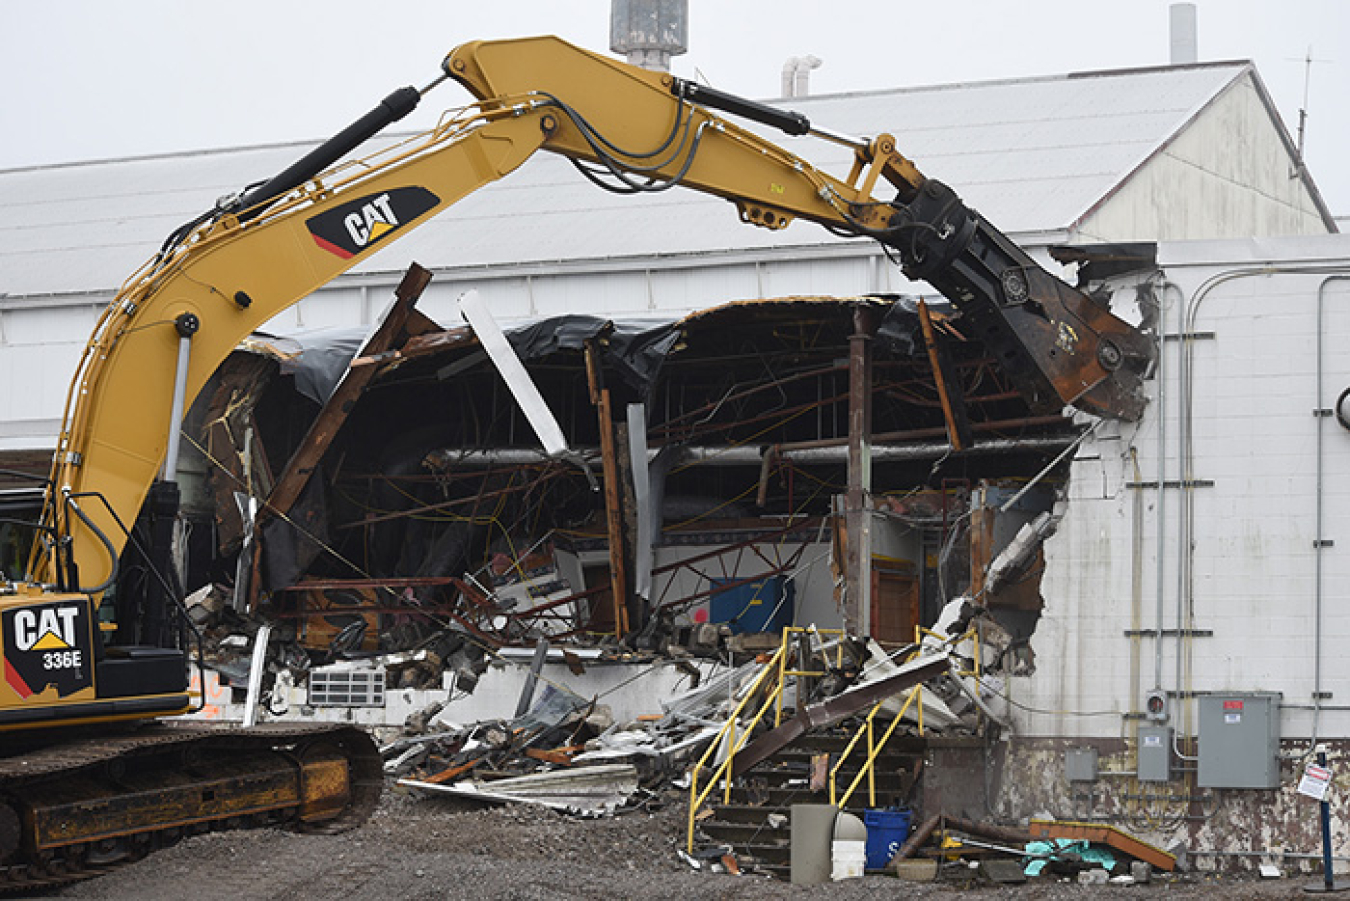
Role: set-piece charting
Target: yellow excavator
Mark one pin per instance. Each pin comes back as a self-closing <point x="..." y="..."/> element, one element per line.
<point x="79" y="791"/>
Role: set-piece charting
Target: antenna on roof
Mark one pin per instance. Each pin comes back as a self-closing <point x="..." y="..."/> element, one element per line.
<point x="1307" y="61"/>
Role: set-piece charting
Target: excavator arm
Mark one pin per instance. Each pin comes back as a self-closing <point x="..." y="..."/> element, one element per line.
<point x="629" y="129"/>
<point x="1060" y="346"/>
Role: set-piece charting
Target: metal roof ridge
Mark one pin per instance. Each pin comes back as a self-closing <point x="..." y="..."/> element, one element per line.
<point x="1019" y="80"/>
<point x="1248" y="69"/>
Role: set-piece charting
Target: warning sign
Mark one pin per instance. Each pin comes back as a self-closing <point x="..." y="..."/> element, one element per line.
<point x="1316" y="779"/>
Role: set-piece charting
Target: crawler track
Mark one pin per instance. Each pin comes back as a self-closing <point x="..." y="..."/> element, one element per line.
<point x="73" y="808"/>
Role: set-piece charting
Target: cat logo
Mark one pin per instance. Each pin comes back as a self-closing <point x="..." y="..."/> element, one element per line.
<point x="48" y="644"/>
<point x="361" y="223"/>
<point x="45" y="629"/>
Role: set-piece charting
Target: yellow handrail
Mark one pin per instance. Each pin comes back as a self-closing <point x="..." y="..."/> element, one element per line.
<point x="779" y="663"/>
<point x="728" y="731"/>
<point x="873" y="750"/>
<point x="784" y="672"/>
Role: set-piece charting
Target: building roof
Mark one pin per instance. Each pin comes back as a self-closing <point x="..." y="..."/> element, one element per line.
<point x="1033" y="155"/>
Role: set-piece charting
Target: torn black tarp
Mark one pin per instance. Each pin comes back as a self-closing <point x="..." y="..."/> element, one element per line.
<point x="318" y="358"/>
<point x="635" y="349"/>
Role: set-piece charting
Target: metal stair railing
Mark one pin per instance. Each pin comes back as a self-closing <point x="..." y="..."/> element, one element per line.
<point x="875" y="748"/>
<point x="727" y="736"/>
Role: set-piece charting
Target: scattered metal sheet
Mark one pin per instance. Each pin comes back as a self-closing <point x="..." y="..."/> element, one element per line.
<point x="587" y="791"/>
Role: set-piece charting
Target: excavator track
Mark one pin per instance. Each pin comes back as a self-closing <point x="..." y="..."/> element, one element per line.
<point x="74" y="808"/>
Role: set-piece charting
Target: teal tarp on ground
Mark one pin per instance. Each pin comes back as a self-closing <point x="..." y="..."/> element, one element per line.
<point x="1041" y="852"/>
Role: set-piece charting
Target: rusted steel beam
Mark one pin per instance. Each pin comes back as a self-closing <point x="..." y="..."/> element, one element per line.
<point x="1108" y="835"/>
<point x="618" y="570"/>
<point x="325" y="427"/>
<point x="832" y="710"/>
<point x="857" y="544"/>
<point x="452" y="772"/>
<point x="949" y="390"/>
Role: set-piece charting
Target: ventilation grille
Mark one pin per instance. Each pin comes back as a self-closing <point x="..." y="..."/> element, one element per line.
<point x="346" y="688"/>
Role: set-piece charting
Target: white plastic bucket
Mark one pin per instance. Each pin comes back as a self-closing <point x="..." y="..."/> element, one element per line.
<point x="848" y="858"/>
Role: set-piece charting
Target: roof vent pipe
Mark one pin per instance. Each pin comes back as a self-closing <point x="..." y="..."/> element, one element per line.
<point x="797" y="75"/>
<point x="1183" y="34"/>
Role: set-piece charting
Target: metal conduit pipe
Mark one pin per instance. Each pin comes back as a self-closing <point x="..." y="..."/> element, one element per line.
<point x="752" y="456"/>
<point x="1319" y="521"/>
<point x="1185" y="409"/>
<point x="1162" y="472"/>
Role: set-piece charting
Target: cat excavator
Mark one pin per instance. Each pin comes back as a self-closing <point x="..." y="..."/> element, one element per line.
<point x="92" y="773"/>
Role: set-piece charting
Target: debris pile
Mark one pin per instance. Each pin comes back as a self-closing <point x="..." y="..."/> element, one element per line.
<point x="956" y="849"/>
<point x="567" y="752"/>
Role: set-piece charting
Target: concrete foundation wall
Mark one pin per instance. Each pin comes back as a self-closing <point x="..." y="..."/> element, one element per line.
<point x="1222" y="829"/>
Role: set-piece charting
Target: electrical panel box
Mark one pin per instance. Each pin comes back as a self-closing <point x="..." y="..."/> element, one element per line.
<point x="1239" y="740"/>
<point x="1080" y="764"/>
<point x="1154" y="754"/>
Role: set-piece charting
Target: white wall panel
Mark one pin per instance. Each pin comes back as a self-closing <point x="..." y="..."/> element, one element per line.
<point x="1254" y="582"/>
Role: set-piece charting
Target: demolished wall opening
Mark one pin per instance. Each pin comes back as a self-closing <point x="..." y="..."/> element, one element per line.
<point x="432" y="519"/>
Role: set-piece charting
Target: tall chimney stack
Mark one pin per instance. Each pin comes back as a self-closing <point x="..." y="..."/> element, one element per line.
<point x="649" y="32"/>
<point x="1184" y="49"/>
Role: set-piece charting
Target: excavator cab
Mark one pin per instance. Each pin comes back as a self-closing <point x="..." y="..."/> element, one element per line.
<point x="77" y="656"/>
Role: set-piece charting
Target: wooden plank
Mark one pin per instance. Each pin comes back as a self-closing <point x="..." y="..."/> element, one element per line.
<point x="334" y="413"/>
<point x="949" y="392"/>
<point x="1106" y="835"/>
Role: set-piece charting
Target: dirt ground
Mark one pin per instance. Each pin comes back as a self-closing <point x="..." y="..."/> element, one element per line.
<point x="416" y="847"/>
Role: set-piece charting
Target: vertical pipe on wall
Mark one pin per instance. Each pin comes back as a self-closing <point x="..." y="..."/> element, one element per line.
<point x="1160" y="379"/>
<point x="1319" y="539"/>
<point x="1186" y="388"/>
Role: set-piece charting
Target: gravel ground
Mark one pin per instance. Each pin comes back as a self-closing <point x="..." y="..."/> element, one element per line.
<point x="450" y="848"/>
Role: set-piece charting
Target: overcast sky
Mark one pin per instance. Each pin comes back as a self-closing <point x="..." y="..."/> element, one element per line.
<point x="98" y="79"/>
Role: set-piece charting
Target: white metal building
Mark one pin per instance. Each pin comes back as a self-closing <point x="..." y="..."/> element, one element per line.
<point x="1166" y="153"/>
<point x="1194" y="619"/>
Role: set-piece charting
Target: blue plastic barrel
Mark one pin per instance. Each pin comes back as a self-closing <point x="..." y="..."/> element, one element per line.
<point x="886" y="832"/>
